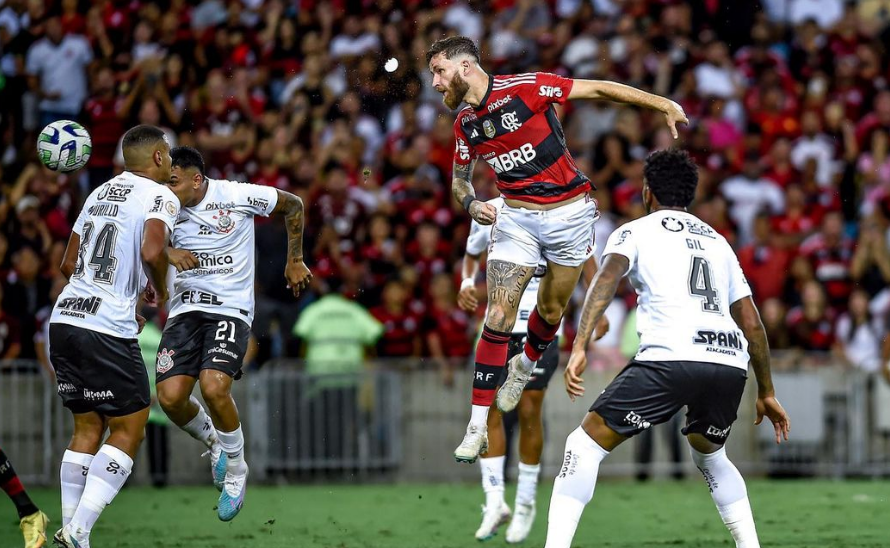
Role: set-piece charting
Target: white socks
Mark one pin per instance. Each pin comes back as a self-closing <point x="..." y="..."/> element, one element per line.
<point x="479" y="416"/>
<point x="492" y="480"/>
<point x="108" y="472"/>
<point x="526" y="363"/>
<point x="201" y="427"/>
<point x="74" y="477"/>
<point x="527" y="486"/>
<point x="233" y="445"/>
<point x="573" y="488"/>
<point x="730" y="495"/>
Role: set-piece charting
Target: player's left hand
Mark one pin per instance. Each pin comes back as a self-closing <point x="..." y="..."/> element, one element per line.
<point x="141" y="322"/>
<point x="601" y="328"/>
<point x="298" y="276"/>
<point x="149" y="297"/>
<point x="572" y="376"/>
<point x="182" y="259"/>
<point x="674" y="115"/>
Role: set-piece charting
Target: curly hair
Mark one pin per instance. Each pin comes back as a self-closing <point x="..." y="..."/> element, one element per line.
<point x="672" y="177"/>
<point x="186" y="157"/>
<point x="452" y="47"/>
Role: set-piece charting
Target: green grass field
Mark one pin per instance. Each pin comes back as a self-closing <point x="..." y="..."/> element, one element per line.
<point x="623" y="514"/>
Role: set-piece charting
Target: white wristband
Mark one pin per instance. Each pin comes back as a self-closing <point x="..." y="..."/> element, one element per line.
<point x="468" y="282"/>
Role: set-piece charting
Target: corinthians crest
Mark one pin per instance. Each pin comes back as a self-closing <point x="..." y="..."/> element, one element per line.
<point x="224" y="221"/>
<point x="165" y="361"/>
<point x="488" y="129"/>
<point x="510" y="121"/>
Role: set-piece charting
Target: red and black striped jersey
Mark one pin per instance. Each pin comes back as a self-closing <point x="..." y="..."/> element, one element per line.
<point x="515" y="129"/>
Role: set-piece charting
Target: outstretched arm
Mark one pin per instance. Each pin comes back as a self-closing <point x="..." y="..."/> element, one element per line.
<point x="620" y="93"/>
<point x="746" y="316"/>
<point x="296" y="272"/>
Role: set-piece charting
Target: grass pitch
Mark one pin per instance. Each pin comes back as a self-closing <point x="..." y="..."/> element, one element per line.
<point x="623" y="514"/>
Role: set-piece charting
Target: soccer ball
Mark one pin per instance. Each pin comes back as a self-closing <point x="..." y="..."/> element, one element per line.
<point x="64" y="146"/>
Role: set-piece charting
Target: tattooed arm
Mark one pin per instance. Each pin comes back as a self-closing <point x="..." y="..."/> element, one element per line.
<point x="296" y="272"/>
<point x="463" y="192"/>
<point x="599" y="295"/>
<point x="746" y="316"/>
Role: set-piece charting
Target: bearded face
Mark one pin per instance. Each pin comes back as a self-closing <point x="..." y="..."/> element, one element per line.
<point x="455" y="92"/>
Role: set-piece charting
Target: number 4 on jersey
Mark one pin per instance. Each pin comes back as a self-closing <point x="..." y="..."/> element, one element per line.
<point x="701" y="284"/>
<point x="102" y="260"/>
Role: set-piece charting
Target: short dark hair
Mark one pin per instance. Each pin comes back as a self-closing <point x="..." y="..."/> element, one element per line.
<point x="142" y="135"/>
<point x="672" y="177"/>
<point x="452" y="47"/>
<point x="186" y="157"/>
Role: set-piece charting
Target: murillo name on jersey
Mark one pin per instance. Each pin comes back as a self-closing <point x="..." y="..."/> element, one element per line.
<point x="516" y="131"/>
<point x="219" y="231"/>
<point x="108" y="278"/>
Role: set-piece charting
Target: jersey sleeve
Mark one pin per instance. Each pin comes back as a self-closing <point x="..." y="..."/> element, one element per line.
<point x="477" y="241"/>
<point x="254" y="199"/>
<point x="622" y="242"/>
<point x="548" y="89"/>
<point x="464" y="153"/>
<point x="738" y="284"/>
<point x="162" y="205"/>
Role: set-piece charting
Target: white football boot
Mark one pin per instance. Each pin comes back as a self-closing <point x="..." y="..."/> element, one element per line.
<point x="521" y="525"/>
<point x="509" y="394"/>
<point x="492" y="518"/>
<point x="475" y="442"/>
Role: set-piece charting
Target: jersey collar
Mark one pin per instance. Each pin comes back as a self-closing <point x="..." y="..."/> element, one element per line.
<point x="485" y="97"/>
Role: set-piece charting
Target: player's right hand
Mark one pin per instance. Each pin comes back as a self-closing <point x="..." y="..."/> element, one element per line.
<point x="182" y="259"/>
<point x="466" y="299"/>
<point x="770" y="407"/>
<point x="572" y="376"/>
<point x="483" y="213"/>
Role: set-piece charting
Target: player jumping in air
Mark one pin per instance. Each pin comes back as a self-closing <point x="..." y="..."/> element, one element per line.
<point x="548" y="215"/>
<point x="698" y="328"/>
<point x="120" y="236"/>
<point x="212" y="309"/>
<point x="32" y="521"/>
<point x="496" y="512"/>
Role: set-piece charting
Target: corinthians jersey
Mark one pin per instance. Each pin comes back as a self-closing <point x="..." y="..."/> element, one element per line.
<point x="219" y="231"/>
<point x="686" y="277"/>
<point x="477" y="242"/>
<point x="109" y="277"/>
<point x="516" y="131"/>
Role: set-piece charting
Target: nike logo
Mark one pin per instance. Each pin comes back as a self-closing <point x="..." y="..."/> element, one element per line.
<point x="217" y="360"/>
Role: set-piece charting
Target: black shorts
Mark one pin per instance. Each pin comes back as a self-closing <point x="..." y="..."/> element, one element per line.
<point x="98" y="373"/>
<point x="543" y="369"/>
<point x="195" y="341"/>
<point x="649" y="393"/>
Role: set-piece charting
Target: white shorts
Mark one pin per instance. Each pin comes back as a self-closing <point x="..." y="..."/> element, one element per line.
<point x="563" y="235"/>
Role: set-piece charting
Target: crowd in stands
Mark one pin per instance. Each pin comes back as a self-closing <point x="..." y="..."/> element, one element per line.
<point x="789" y="102"/>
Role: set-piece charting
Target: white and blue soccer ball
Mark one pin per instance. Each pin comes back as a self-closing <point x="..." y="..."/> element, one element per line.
<point x="64" y="146"/>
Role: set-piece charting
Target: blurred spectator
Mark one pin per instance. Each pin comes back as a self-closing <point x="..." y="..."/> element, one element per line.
<point x="56" y="65"/>
<point x="765" y="264"/>
<point x="824" y="12"/>
<point x="813" y="144"/>
<point x="870" y="267"/>
<point x="26" y="291"/>
<point x="773" y="314"/>
<point x="859" y="334"/>
<point x="449" y="332"/>
<point x="811" y="325"/>
<point x="400" y="337"/>
<point x="749" y="193"/>
<point x="10" y="334"/>
<point x="830" y="252"/>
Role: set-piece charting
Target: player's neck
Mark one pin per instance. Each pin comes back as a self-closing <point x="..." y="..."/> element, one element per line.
<point x="147" y="173"/>
<point x="667" y="208"/>
<point x="478" y="88"/>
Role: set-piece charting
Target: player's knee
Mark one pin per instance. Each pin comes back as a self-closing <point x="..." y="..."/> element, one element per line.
<point x="499" y="318"/>
<point x="706" y="460"/>
<point x="550" y="312"/>
<point x="170" y="401"/>
<point x="215" y="391"/>
<point x="529" y="409"/>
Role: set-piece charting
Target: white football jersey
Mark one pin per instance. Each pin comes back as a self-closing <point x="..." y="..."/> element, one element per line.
<point x="686" y="277"/>
<point x="109" y="277"/>
<point x="477" y="242"/>
<point x="219" y="231"/>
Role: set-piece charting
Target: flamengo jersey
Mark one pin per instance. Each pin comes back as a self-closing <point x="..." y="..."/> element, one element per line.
<point x="219" y="231"/>
<point x="516" y="130"/>
<point x="109" y="277"/>
<point x="477" y="242"/>
<point x="686" y="276"/>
